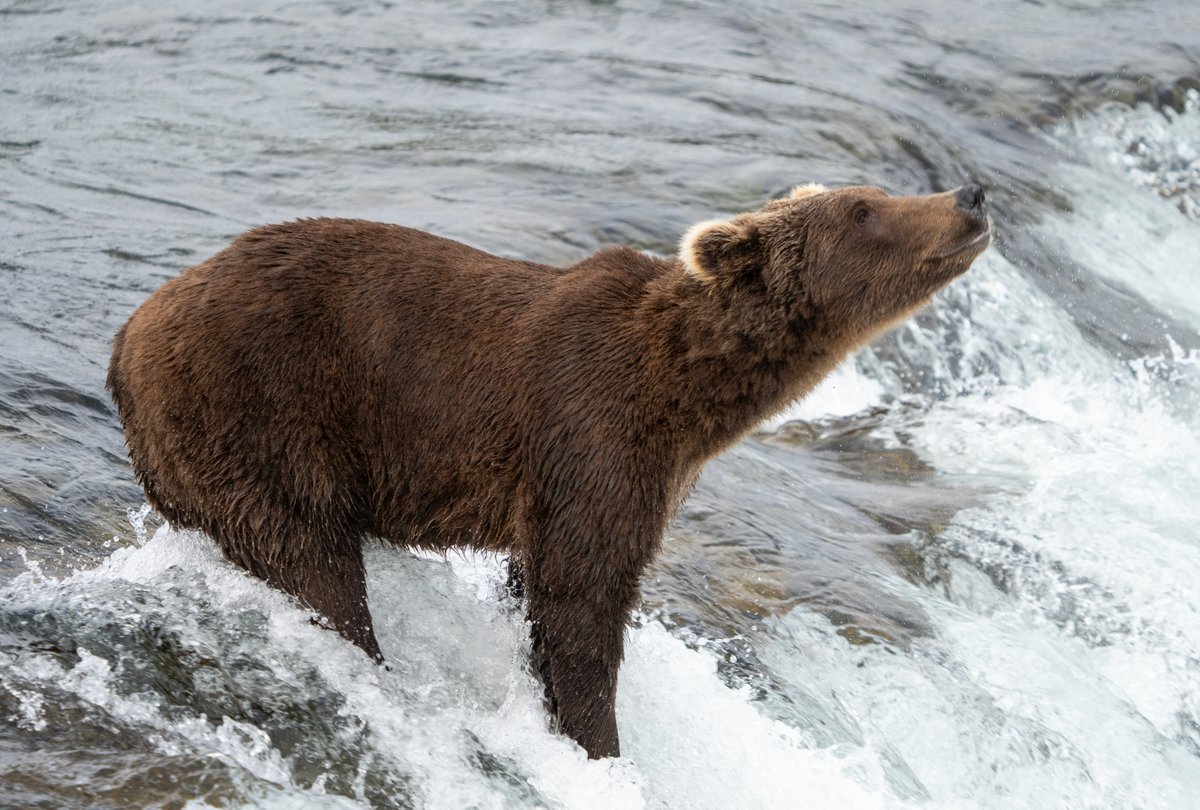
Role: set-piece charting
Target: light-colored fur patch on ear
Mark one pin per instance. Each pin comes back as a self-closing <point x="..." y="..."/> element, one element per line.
<point x="807" y="190"/>
<point x="687" y="248"/>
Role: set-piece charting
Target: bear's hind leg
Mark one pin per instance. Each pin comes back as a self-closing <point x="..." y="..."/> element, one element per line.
<point x="328" y="577"/>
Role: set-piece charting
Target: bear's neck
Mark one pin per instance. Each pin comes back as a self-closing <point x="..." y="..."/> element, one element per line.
<point x="722" y="359"/>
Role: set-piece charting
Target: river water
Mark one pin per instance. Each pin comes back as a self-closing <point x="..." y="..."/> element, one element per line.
<point x="963" y="573"/>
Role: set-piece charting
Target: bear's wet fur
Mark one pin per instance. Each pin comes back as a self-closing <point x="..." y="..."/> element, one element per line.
<point x="327" y="379"/>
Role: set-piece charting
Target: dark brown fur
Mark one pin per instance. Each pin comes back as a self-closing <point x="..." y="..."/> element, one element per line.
<point x="323" y="380"/>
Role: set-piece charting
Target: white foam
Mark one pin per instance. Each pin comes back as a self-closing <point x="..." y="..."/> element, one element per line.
<point x="1079" y="683"/>
<point x="700" y="744"/>
<point x="91" y="679"/>
<point x="844" y="392"/>
<point x="1135" y="194"/>
<point x="459" y="670"/>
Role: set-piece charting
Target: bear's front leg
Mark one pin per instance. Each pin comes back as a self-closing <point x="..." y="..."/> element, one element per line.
<point x="591" y="531"/>
<point x="577" y="649"/>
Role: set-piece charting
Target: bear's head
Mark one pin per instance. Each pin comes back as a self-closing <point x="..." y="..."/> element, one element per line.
<point x="850" y="261"/>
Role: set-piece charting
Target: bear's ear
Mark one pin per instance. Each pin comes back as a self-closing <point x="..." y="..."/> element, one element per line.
<point x="807" y="190"/>
<point x="720" y="248"/>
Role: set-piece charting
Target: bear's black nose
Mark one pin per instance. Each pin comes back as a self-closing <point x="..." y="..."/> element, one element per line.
<point x="970" y="199"/>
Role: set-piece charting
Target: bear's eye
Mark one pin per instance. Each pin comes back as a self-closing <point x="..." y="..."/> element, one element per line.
<point x="862" y="213"/>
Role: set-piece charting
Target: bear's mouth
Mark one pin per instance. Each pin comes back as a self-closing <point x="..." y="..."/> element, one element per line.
<point x="977" y="242"/>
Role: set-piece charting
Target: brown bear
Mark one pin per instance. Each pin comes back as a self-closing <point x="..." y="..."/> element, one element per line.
<point x="327" y="379"/>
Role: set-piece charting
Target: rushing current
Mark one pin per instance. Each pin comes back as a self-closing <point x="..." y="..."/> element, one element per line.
<point x="963" y="573"/>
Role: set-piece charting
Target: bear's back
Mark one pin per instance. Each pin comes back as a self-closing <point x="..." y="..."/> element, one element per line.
<point x="322" y="359"/>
